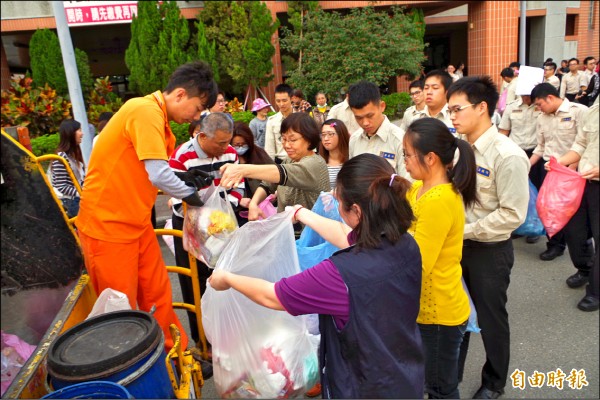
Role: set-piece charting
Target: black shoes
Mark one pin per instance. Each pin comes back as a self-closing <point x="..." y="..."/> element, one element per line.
<point x="532" y="239"/>
<point x="551" y="253"/>
<point x="485" y="393"/>
<point x="589" y="303"/>
<point x="577" y="280"/>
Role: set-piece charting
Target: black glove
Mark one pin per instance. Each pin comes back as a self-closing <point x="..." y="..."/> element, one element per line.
<point x="193" y="200"/>
<point x="195" y="178"/>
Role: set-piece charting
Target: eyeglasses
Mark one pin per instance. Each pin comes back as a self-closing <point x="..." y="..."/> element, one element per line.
<point x="239" y="146"/>
<point x="571" y="64"/>
<point x="456" y="109"/>
<point x="548" y="69"/>
<point x="328" y="135"/>
<point x="418" y="92"/>
<point x="290" y="141"/>
<point x="407" y="156"/>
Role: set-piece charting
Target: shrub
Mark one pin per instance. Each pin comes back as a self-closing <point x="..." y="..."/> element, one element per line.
<point x="396" y="104"/>
<point x="102" y="99"/>
<point x="41" y="110"/>
<point x="180" y="131"/>
<point x="45" y="144"/>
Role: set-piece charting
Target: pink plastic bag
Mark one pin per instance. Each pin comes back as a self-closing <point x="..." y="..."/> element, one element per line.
<point x="559" y="197"/>
<point x="502" y="102"/>
<point x="266" y="206"/>
<point x="15" y="353"/>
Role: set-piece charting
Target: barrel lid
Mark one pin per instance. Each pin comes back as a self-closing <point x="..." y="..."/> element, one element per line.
<point x="109" y="342"/>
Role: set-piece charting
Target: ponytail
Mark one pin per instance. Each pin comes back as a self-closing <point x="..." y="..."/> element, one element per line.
<point x="463" y="174"/>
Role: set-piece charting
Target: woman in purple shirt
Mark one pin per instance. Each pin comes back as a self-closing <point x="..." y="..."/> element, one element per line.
<point x="367" y="294"/>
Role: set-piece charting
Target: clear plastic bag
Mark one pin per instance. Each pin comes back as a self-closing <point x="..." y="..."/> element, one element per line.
<point x="559" y="197"/>
<point x="109" y="300"/>
<point x="533" y="224"/>
<point x="311" y="247"/>
<point x="472" y="325"/>
<point x="207" y="229"/>
<point x="258" y="352"/>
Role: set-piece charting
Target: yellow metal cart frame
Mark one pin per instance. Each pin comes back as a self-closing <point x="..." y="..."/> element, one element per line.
<point x="31" y="382"/>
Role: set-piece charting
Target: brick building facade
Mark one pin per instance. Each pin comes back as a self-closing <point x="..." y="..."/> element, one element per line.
<point x="483" y="34"/>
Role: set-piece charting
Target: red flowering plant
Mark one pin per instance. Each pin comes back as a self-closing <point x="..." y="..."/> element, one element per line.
<point x="102" y="99"/>
<point x="40" y="109"/>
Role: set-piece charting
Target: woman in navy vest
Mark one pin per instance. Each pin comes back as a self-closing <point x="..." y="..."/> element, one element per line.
<point x="367" y="294"/>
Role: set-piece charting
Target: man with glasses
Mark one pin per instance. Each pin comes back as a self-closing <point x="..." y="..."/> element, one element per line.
<point x="207" y="152"/>
<point x="572" y="82"/>
<point x="377" y="134"/>
<point x="556" y="132"/>
<point x="415" y="89"/>
<point x="590" y="64"/>
<point x="549" y="75"/>
<point x="488" y="255"/>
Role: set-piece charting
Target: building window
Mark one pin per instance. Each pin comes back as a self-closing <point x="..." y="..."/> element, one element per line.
<point x="571" y="28"/>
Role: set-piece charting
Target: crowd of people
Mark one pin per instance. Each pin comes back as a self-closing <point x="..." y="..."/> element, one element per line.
<point x="429" y="206"/>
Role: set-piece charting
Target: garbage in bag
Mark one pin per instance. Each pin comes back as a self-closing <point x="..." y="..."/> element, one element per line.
<point x="110" y="300"/>
<point x="559" y="197"/>
<point x="311" y="247"/>
<point x="258" y="352"/>
<point x="15" y="353"/>
<point x="207" y="229"/>
<point x="533" y="224"/>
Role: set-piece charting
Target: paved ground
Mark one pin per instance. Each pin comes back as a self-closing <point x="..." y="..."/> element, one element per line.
<point x="548" y="331"/>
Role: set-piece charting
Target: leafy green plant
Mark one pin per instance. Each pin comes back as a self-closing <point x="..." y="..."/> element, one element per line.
<point x="45" y="144"/>
<point x="47" y="63"/>
<point x="243" y="116"/>
<point x="396" y="104"/>
<point x="102" y="99"/>
<point x="40" y="109"/>
<point x="180" y="131"/>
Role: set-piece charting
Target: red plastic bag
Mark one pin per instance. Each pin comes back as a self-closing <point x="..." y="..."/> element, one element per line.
<point x="559" y="197"/>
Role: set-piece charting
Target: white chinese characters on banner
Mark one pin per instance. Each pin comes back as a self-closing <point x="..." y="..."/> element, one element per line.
<point x="99" y="12"/>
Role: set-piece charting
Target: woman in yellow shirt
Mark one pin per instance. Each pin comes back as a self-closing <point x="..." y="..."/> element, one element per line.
<point x="437" y="199"/>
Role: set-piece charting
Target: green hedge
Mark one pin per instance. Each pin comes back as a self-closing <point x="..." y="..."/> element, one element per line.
<point x="45" y="144"/>
<point x="396" y="104"/>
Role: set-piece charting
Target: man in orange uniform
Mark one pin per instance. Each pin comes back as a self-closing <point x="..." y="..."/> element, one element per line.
<point x="127" y="165"/>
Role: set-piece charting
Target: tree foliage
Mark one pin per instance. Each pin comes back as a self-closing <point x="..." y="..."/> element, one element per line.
<point x="160" y="42"/>
<point x="47" y="65"/>
<point x="242" y="31"/>
<point x="207" y="51"/>
<point x="339" y="50"/>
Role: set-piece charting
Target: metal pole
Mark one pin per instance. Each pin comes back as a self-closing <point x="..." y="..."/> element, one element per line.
<point x="68" y="55"/>
<point x="522" y="32"/>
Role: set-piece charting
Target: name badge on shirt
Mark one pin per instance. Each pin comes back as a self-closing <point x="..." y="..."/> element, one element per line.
<point x="389" y="156"/>
<point x="483" y="171"/>
<point x="565" y="119"/>
<point x="452" y="131"/>
<point x="516" y="111"/>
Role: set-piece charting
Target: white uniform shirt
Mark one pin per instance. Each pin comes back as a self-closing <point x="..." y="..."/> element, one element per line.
<point x="521" y="120"/>
<point x="343" y="112"/>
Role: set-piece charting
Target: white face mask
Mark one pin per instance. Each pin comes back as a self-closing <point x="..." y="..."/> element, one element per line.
<point x="241" y="150"/>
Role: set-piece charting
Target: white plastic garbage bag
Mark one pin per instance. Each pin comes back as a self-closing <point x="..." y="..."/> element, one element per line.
<point x="109" y="300"/>
<point x="258" y="352"/>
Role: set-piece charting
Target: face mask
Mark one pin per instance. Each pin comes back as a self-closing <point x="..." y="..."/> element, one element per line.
<point x="241" y="150"/>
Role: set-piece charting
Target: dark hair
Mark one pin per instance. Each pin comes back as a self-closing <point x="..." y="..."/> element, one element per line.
<point x="478" y="89"/>
<point x="444" y="77"/>
<point x="514" y="64"/>
<point x="542" y="91"/>
<point x="193" y="125"/>
<point x="68" y="141"/>
<point x="367" y="180"/>
<point x="283" y="88"/>
<point x="564" y="61"/>
<point x="305" y="125"/>
<point x="105" y="116"/>
<point x="548" y="60"/>
<point x="416" y="84"/>
<point x="297" y="93"/>
<point x="197" y="79"/>
<point x="573" y="59"/>
<point x="507" y="73"/>
<point x="343" y="139"/>
<point x="587" y="59"/>
<point x="255" y="154"/>
<point x="427" y="135"/>
<point x="362" y="93"/>
<point x="103" y="120"/>
<point x="551" y="64"/>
